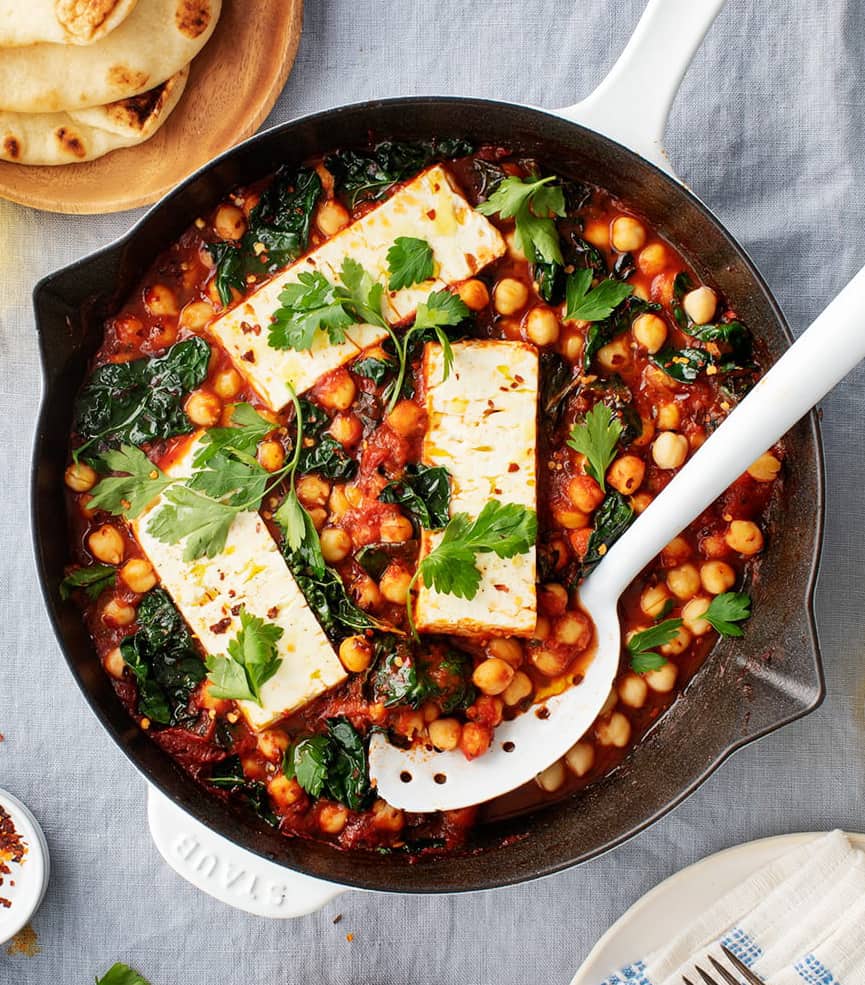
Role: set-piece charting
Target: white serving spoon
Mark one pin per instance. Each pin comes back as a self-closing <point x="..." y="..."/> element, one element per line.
<point x="424" y="780"/>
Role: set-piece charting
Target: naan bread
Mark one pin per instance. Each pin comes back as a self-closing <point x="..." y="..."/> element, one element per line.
<point x="85" y="134"/>
<point x="60" y="21"/>
<point x="157" y="39"/>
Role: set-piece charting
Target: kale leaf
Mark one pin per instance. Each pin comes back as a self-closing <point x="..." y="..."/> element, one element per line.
<point x="424" y="492"/>
<point x="334" y="764"/>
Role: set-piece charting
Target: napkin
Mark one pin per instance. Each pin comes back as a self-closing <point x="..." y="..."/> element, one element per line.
<point x="798" y="921"/>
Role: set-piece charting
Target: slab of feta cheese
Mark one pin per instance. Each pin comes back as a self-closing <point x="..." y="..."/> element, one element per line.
<point x="249" y="573"/>
<point x="482" y="427"/>
<point x="428" y="208"/>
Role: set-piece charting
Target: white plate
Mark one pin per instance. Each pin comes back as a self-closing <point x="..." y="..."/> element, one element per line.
<point x="672" y="904"/>
<point x="25" y="885"/>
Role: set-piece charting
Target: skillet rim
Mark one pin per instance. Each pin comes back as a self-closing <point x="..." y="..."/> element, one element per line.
<point x="535" y="871"/>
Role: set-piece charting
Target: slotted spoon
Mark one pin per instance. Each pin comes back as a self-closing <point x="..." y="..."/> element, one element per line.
<point x="421" y="779"/>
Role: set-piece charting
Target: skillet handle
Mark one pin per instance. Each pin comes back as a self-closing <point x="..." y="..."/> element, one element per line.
<point x="632" y="103"/>
<point x="228" y="873"/>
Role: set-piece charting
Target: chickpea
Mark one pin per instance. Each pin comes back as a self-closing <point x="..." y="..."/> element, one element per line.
<point x="332" y="217"/>
<point x="571" y="519"/>
<point x="445" y="733"/>
<point x="318" y="515"/>
<point x="510" y="296"/>
<point x="676" y="551"/>
<point x="394" y="583"/>
<point x="628" y="234"/>
<point x="509" y="650"/>
<point x="646" y="434"/>
<point x="410" y="724"/>
<point x="549" y="661"/>
<point x="744" y="537"/>
<point x="542" y="326"/>
<point x="511" y="328"/>
<point x="692" y="616"/>
<point x="335" y="544"/>
<point x="653" y="600"/>
<point x="366" y="592"/>
<point x="387" y="818"/>
<point x="117" y="613"/>
<point x="138" y="574"/>
<point x="492" y="676"/>
<point x="430" y="711"/>
<point x="717" y="577"/>
<point x="347" y="429"/>
<point x="332" y="818"/>
<point x="312" y="490"/>
<point x="396" y="529"/>
<point x="552" y="777"/>
<point x="515" y="251"/>
<point x="518" y="690"/>
<point x="669" y="450"/>
<point x="353" y="495"/>
<point x="680" y="642"/>
<point x="160" y="300"/>
<point x="272" y="744"/>
<point x="229" y="222"/>
<point x="338" y="391"/>
<point x="80" y="477"/>
<point x="572" y="348"/>
<point x="700" y="304"/>
<point x="553" y="599"/>
<point x="585" y="493"/>
<point x="475" y="739"/>
<point x="355" y="654"/>
<point x="597" y="233"/>
<point x="543" y="628"/>
<point x="205" y="699"/>
<point x="284" y="792"/>
<point x="649" y="331"/>
<point x="114" y="663"/>
<point x="626" y="474"/>
<point x="633" y="691"/>
<point x="406" y="419"/>
<point x="338" y="502"/>
<point x="196" y="315"/>
<point x="652" y="259"/>
<point x="474" y="294"/>
<point x="106" y="544"/>
<point x="226" y="383"/>
<point x="684" y="581"/>
<point x="203" y="408"/>
<point x="270" y="455"/>
<point x="669" y="417"/>
<point x="616" y="731"/>
<point x="614" y="355"/>
<point x="714" y="546"/>
<point x="573" y="629"/>
<point x="662" y="680"/>
<point x="580" y="758"/>
<point x="765" y="468"/>
<point x="641" y="501"/>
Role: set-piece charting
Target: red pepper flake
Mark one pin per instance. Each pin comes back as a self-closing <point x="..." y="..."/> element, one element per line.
<point x="12" y="849"/>
<point x="431" y="214"/>
<point x="248" y="357"/>
<point x="221" y="626"/>
<point x="513" y="467"/>
<point x="273" y="612"/>
<point x="349" y="937"/>
<point x="248" y="329"/>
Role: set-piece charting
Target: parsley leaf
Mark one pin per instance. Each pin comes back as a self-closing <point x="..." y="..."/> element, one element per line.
<point x="595" y="304"/>
<point x="334" y="764"/>
<point x="726" y="610"/>
<point x="121" y="974"/>
<point x="250" y="663"/>
<point x="307" y="762"/>
<point x="409" y="261"/>
<point x="531" y="203"/>
<point x="92" y="580"/>
<point x="203" y="522"/>
<point x="424" y="492"/>
<point x="596" y="438"/>
<point x="249" y="427"/>
<point x="641" y="646"/>
<point x="132" y="492"/>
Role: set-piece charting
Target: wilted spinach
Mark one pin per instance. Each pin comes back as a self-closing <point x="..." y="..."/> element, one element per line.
<point x="366" y="176"/>
<point x="280" y="222"/>
<point x="166" y="666"/>
<point x="600" y="333"/>
<point x="613" y="518"/>
<point x="456" y="691"/>
<point x="424" y="492"/>
<point x="399" y="678"/>
<point x="684" y="365"/>
<point x="682" y="283"/>
<point x="374" y="369"/>
<point x="228" y="775"/>
<point x="327" y="458"/>
<point x="334" y="764"/>
<point x="141" y="400"/>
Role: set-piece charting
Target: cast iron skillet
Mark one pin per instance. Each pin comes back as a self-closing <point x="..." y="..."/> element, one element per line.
<point x="745" y="690"/>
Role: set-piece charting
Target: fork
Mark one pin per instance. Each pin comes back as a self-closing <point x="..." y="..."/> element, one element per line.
<point x="725" y="977"/>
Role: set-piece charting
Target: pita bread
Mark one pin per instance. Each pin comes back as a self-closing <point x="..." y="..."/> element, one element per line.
<point x="82" y="135"/>
<point x="60" y="21"/>
<point x="157" y="39"/>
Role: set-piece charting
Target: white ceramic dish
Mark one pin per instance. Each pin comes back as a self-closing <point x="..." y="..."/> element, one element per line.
<point x="25" y="885"/>
<point x="672" y="904"/>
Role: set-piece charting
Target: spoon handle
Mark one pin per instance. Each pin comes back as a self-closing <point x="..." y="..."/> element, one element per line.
<point x="825" y="353"/>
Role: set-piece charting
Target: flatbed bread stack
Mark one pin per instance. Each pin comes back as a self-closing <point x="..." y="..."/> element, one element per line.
<point x="80" y="78"/>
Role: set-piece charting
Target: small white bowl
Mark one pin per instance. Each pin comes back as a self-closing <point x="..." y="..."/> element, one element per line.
<point x="24" y="886"/>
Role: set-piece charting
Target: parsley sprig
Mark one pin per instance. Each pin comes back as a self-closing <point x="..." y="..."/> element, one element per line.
<point x="409" y="262"/>
<point x="726" y="610"/>
<point x="641" y="646"/>
<point x="531" y="203"/>
<point x="251" y="661"/>
<point x="504" y="529"/>
<point x="596" y="437"/>
<point x="121" y="974"/>
<point x="92" y="580"/>
<point x="586" y="303"/>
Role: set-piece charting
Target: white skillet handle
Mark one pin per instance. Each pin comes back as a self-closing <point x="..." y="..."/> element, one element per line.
<point x="825" y="354"/>
<point x="631" y="105"/>
<point x="228" y="873"/>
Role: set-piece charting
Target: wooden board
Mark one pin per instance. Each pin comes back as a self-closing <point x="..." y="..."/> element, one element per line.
<point x="232" y="86"/>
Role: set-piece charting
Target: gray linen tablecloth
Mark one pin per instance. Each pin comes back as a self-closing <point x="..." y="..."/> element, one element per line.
<point x="769" y="128"/>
